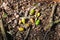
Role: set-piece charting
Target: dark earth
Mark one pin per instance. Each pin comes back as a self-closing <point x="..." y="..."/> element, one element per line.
<point x="15" y="10"/>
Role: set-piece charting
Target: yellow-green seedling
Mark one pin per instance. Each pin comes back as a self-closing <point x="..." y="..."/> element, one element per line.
<point x="21" y="29"/>
<point x="23" y="20"/>
<point x="4" y="15"/>
<point x="37" y="22"/>
<point x="38" y="14"/>
<point x="32" y="11"/>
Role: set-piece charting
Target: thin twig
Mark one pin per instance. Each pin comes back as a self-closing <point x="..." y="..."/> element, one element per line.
<point x="27" y="34"/>
<point x="2" y="30"/>
<point x="48" y="27"/>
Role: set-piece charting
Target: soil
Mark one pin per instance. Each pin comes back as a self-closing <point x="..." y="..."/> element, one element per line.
<point x="16" y="10"/>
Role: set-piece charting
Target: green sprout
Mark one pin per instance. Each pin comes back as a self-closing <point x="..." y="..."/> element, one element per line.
<point x="38" y="14"/>
<point x="37" y="22"/>
<point x="32" y="11"/>
<point x="23" y="20"/>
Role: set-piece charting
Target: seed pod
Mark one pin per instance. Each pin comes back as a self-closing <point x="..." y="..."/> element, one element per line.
<point x="31" y="20"/>
<point x="23" y="20"/>
<point x="37" y="22"/>
<point x="21" y="29"/>
<point x="32" y="11"/>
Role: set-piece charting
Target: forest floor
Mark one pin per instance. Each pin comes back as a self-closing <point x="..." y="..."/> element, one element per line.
<point x="42" y="24"/>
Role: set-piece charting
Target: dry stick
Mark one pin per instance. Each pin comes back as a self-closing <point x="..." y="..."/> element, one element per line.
<point x="48" y="27"/>
<point x="2" y="30"/>
<point x="17" y="7"/>
<point x="27" y="34"/>
<point x="51" y="18"/>
<point x="1" y="2"/>
<point x="57" y="21"/>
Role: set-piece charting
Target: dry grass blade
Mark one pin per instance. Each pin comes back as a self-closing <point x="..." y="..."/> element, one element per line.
<point x="2" y="30"/>
<point x="27" y="34"/>
<point x="57" y="21"/>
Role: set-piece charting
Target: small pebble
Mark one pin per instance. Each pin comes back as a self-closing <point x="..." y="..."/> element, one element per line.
<point x="17" y="16"/>
<point x="15" y="21"/>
